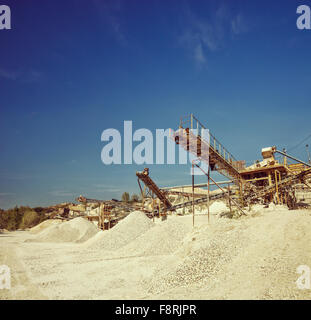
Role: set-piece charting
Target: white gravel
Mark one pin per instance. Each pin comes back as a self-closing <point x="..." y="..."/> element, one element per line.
<point x="43" y="225"/>
<point x="252" y="257"/>
<point x="127" y="230"/>
<point x="162" y="239"/>
<point x="75" y="230"/>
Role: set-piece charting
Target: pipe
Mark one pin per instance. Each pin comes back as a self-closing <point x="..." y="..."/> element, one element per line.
<point x="293" y="158"/>
<point x="197" y="185"/>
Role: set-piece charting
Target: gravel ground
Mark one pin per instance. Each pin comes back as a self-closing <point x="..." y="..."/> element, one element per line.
<point x="75" y="230"/>
<point x="127" y="230"/>
<point x="43" y="225"/>
<point x="162" y="239"/>
<point x="253" y="257"/>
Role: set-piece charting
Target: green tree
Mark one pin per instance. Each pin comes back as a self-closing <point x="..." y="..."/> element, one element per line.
<point x="20" y="218"/>
<point x="125" y="197"/>
<point x="135" y="198"/>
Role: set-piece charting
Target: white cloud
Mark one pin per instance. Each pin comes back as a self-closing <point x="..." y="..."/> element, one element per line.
<point x="10" y="75"/>
<point x="110" y="13"/>
<point x="31" y="76"/>
<point x="199" y="55"/>
<point x="201" y="36"/>
<point x="15" y="176"/>
<point x="27" y="76"/>
<point x="61" y="193"/>
<point x="6" y="194"/>
<point x="238" y="25"/>
<point x="72" y="162"/>
<point x="106" y="188"/>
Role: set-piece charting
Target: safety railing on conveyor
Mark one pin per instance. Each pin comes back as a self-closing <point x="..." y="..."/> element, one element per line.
<point x="227" y="162"/>
<point x="194" y="123"/>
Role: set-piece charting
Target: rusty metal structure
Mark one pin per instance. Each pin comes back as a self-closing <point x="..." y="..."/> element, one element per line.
<point x="265" y="181"/>
<point x="107" y="216"/>
<point x="151" y="187"/>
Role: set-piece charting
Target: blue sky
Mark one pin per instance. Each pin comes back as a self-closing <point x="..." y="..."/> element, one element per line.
<point x="71" y="69"/>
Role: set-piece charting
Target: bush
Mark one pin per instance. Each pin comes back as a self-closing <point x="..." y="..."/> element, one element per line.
<point x="20" y="218"/>
<point x="30" y="219"/>
<point x="135" y="198"/>
<point x="125" y="197"/>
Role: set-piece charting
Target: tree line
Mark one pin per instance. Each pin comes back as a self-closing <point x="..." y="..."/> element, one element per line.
<point x="126" y="197"/>
<point x="21" y="217"/>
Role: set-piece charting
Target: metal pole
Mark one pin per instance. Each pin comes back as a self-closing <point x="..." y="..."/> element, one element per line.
<point x="198" y="185"/>
<point x="293" y="158"/>
<point x="284" y="157"/>
<point x="193" y="163"/>
<point x="307" y="146"/>
<point x="99" y="216"/>
<point x="109" y="214"/>
<point x="193" y="195"/>
<point x="306" y="184"/>
<point x="276" y="186"/>
<point x="281" y="194"/>
<point x="152" y="207"/>
<point x="229" y="198"/>
<point x="208" y="189"/>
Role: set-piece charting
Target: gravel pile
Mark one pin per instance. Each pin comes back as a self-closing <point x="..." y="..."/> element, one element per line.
<point x="164" y="238"/>
<point x="75" y="230"/>
<point x="218" y="207"/>
<point x="43" y="225"/>
<point x="201" y="256"/>
<point x="127" y="230"/>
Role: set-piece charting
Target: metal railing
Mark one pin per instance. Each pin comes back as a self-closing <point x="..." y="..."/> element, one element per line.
<point x="194" y="124"/>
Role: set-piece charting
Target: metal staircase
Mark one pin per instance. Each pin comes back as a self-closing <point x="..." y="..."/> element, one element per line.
<point x="209" y="149"/>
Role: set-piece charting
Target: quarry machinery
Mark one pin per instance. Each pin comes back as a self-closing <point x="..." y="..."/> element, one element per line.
<point x="107" y="215"/>
<point x="152" y="190"/>
<point x="264" y="181"/>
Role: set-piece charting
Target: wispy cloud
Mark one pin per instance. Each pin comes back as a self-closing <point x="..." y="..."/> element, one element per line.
<point x="201" y="36"/>
<point x="199" y="54"/>
<point x="15" y="176"/>
<point x="238" y="25"/>
<point x="6" y="194"/>
<point x="27" y="76"/>
<point x="6" y="197"/>
<point x="9" y="75"/>
<point x="61" y="193"/>
<point x="72" y="162"/>
<point x="110" y="14"/>
<point x="32" y="76"/>
<point x="106" y="188"/>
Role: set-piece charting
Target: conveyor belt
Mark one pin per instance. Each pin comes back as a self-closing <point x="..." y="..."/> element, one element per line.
<point x="208" y="150"/>
<point x="144" y="177"/>
<point x="198" y="201"/>
<point x="281" y="184"/>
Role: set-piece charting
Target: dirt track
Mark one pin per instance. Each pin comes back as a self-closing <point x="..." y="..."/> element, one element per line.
<point x="254" y="257"/>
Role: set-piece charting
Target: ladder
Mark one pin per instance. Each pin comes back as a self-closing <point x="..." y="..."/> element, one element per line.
<point x="211" y="152"/>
